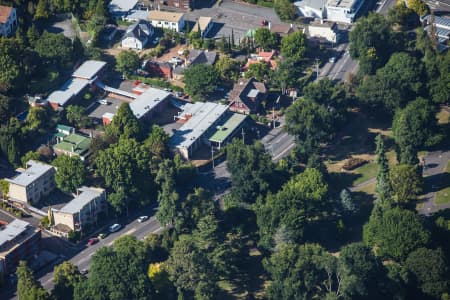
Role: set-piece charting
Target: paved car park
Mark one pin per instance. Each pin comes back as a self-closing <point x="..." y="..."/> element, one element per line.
<point x="97" y="110"/>
<point x="234" y="16"/>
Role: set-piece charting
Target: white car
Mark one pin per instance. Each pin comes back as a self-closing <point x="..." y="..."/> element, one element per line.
<point x="114" y="228"/>
<point x="175" y="60"/>
<point x="142" y="219"/>
<point x="103" y="102"/>
<point x="332" y="59"/>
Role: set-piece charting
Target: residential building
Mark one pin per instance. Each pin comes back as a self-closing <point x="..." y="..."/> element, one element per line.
<point x="439" y="28"/>
<point x="343" y="11"/>
<point x="204" y="24"/>
<point x="37" y="181"/>
<point x="108" y="33"/>
<point x="200" y="120"/>
<point x="81" y="211"/>
<point x="323" y="31"/>
<point x="247" y="95"/>
<point x="8" y="20"/>
<point x="137" y="35"/>
<point x="167" y="20"/>
<point x="73" y="144"/>
<point x="136" y="15"/>
<point x="195" y="57"/>
<point x="18" y="241"/>
<point x="312" y="8"/>
<point x="262" y="56"/>
<point x="64" y="130"/>
<point x="149" y="103"/>
<point x="281" y="30"/>
<point x="159" y="69"/>
<point x="119" y="8"/>
<point x="226" y="129"/>
<point x="77" y="85"/>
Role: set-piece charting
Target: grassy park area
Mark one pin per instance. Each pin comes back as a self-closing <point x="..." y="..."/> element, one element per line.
<point x="443" y="195"/>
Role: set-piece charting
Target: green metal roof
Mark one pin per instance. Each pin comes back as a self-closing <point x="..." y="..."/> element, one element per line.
<point x="78" y="143"/>
<point x="227" y="127"/>
<point x="64" y="127"/>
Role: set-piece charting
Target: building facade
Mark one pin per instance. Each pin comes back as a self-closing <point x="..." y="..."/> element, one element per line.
<point x="137" y="35"/>
<point x="343" y="11"/>
<point x="326" y="31"/>
<point x="247" y="95"/>
<point x="37" y="181"/>
<point x="167" y="20"/>
<point x="8" y="20"/>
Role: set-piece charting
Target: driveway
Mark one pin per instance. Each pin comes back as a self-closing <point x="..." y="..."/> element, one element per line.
<point x="435" y="164"/>
<point x="234" y="16"/>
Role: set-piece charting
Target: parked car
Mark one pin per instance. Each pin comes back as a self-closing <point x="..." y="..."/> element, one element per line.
<point x="84" y="271"/>
<point x="332" y="59"/>
<point x="180" y="94"/>
<point x="142" y="219"/>
<point x="103" y="102"/>
<point x="92" y="241"/>
<point x="168" y="90"/>
<point x="103" y="235"/>
<point x="175" y="60"/>
<point x="114" y="228"/>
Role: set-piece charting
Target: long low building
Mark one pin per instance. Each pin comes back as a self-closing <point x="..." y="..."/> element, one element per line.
<point x="81" y="211"/>
<point x="226" y="129"/>
<point x="343" y="11"/>
<point x="200" y="119"/>
<point x="18" y="241"/>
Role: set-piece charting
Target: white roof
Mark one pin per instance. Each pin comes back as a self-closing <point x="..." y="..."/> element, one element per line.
<point x="71" y="88"/>
<point x="12" y="230"/>
<point x="33" y="172"/>
<point x="203" y="116"/>
<point x="108" y="116"/>
<point x="76" y="204"/>
<point x="147" y="101"/>
<point x="137" y="14"/>
<point x="314" y="4"/>
<point x="342" y="3"/>
<point x="89" y="69"/>
<point x="121" y="6"/>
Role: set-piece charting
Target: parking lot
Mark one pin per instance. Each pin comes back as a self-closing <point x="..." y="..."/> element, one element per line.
<point x="97" y="110"/>
<point x="233" y="16"/>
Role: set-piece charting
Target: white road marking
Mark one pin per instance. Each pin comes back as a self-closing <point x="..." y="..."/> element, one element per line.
<point x="284" y="151"/>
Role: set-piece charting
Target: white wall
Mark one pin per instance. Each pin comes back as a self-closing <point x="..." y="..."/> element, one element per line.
<point x="132" y="43"/>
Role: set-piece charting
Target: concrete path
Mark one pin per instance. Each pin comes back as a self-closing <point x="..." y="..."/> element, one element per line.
<point x="362" y="184"/>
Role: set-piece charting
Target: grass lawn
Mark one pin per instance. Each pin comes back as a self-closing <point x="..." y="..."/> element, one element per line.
<point x="443" y="196"/>
<point x="368" y="189"/>
<point x="366" y="172"/>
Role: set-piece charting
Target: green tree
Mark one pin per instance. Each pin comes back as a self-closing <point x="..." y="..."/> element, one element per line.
<point x="286" y="75"/>
<point x="299" y="201"/>
<point x="227" y="68"/>
<point x="76" y="116"/>
<point x="395" y="233"/>
<point x="347" y="202"/>
<point x="266" y="39"/>
<point x="201" y="80"/>
<point x="127" y="62"/>
<point x="167" y="196"/>
<point x="260" y="71"/>
<point x="383" y="188"/>
<point x="189" y="269"/>
<point x="157" y="142"/>
<point x="70" y="172"/>
<point x="371" y="42"/>
<point x="28" y="288"/>
<point x="33" y="35"/>
<point x="12" y="140"/>
<point x="197" y="204"/>
<point x="54" y="49"/>
<point x="430" y="269"/>
<point x="65" y="277"/>
<point x="293" y="46"/>
<point x="11" y="67"/>
<point x="124" y="123"/>
<point x="285" y="9"/>
<point x="30" y="155"/>
<point x="251" y="170"/>
<point x="406" y="183"/>
<point x="5" y="107"/>
<point x="42" y="10"/>
<point x="419" y="7"/>
<point x="412" y="127"/>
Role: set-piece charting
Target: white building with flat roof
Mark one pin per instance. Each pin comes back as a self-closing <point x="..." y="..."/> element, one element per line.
<point x="343" y="11"/>
<point x="312" y="8"/>
<point x="30" y="186"/>
<point x="149" y="102"/>
<point x="167" y="20"/>
<point x="200" y="118"/>
<point x="81" y="211"/>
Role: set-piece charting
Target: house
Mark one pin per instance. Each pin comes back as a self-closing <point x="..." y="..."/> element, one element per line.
<point x="204" y="24"/>
<point x="64" y="130"/>
<point x="137" y="14"/>
<point x="167" y="20"/>
<point x="281" y="30"/>
<point x="323" y="31"/>
<point x="196" y="57"/>
<point x="199" y="119"/>
<point x="137" y="35"/>
<point x="159" y="69"/>
<point x="108" y="33"/>
<point x="73" y="144"/>
<point x="81" y="211"/>
<point x="18" y="241"/>
<point x="343" y="11"/>
<point x="119" y="8"/>
<point x="246" y="96"/>
<point x="77" y="85"/>
<point x="440" y="28"/>
<point x="37" y="181"/>
<point x="262" y="56"/>
<point x="312" y="8"/>
<point x="8" y="20"/>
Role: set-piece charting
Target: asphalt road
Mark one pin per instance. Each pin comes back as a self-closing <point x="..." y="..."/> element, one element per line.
<point x="439" y="6"/>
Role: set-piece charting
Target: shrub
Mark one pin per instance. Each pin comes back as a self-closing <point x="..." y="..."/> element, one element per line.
<point x="353" y="163"/>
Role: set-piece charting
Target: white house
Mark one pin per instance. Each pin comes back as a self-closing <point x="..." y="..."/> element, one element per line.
<point x="323" y="31"/>
<point x="8" y="20"/>
<point x="343" y="11"/>
<point x="204" y="24"/>
<point x="137" y="35"/>
<point x="167" y="20"/>
<point x="312" y="8"/>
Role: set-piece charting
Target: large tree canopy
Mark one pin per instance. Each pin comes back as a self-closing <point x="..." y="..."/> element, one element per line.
<point x="265" y="39"/>
<point x="293" y="46"/>
<point x="70" y="172"/>
<point x="201" y="80"/>
<point x="127" y="62"/>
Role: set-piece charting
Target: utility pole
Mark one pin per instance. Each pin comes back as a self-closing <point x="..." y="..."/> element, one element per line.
<point x="212" y="156"/>
<point x="243" y="136"/>
<point x="273" y="115"/>
<point x="317" y="68"/>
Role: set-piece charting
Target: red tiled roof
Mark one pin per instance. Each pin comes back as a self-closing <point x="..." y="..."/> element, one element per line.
<point x="5" y="11"/>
